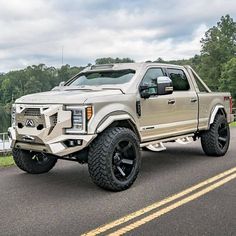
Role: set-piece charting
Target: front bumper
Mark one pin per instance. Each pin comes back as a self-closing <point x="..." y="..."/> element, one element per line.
<point x="48" y="133"/>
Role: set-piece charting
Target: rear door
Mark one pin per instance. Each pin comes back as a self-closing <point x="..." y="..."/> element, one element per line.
<point x="186" y="101"/>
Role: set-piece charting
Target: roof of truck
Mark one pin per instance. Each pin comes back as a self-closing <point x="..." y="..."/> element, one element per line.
<point x="120" y="66"/>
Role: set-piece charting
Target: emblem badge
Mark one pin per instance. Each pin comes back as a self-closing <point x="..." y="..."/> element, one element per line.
<point x="29" y="123"/>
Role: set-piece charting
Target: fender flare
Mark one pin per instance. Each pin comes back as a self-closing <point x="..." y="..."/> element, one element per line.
<point x="112" y="118"/>
<point x="214" y="112"/>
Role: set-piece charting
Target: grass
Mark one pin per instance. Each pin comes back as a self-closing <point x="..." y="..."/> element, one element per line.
<point x="6" y="161"/>
<point x="233" y="124"/>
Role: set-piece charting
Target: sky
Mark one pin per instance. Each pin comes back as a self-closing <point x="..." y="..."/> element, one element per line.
<point x="38" y="31"/>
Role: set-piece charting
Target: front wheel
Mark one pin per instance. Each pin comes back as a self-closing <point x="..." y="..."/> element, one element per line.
<point x="114" y="159"/>
<point x="215" y="141"/>
<point x="33" y="162"/>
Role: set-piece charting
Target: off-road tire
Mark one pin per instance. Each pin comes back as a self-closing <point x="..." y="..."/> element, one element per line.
<point x="101" y="158"/>
<point x="27" y="162"/>
<point x="211" y="139"/>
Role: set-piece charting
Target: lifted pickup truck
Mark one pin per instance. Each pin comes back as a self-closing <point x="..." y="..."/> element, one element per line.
<point x="106" y="114"/>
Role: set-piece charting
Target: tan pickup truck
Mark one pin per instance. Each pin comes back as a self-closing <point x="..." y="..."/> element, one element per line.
<point x="106" y="114"/>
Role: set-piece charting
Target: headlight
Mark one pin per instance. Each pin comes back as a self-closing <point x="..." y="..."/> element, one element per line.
<point x="80" y="116"/>
<point x="13" y="115"/>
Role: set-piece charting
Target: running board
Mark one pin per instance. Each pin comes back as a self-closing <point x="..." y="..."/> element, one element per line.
<point x="183" y="139"/>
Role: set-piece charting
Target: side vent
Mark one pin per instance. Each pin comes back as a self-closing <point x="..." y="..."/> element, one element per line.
<point x="53" y="122"/>
<point x="138" y="108"/>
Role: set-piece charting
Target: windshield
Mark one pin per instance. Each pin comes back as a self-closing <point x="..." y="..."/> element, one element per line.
<point x="102" y="78"/>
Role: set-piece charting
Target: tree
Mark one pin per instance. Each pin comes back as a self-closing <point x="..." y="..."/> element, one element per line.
<point x="218" y="47"/>
<point x="228" y="77"/>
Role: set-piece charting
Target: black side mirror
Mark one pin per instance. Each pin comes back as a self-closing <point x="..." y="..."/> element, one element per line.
<point x="147" y="90"/>
<point x="164" y="85"/>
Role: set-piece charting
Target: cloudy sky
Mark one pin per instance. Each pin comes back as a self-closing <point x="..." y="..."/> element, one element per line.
<point x="33" y="32"/>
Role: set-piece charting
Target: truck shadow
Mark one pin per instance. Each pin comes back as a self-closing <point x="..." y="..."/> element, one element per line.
<point x="172" y="157"/>
<point x="70" y="177"/>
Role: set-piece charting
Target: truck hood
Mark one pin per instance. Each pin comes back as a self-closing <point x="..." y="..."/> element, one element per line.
<point x="73" y="96"/>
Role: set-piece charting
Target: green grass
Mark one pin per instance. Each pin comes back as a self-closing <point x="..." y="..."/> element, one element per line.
<point x="233" y="124"/>
<point x="6" y="161"/>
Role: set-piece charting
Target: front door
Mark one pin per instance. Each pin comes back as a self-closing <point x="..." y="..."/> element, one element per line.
<point x="156" y="111"/>
<point x="168" y="115"/>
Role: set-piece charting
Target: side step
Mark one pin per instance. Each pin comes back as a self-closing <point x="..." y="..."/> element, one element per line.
<point x="185" y="140"/>
<point x="158" y="147"/>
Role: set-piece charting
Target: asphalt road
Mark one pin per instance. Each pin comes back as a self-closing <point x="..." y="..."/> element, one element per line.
<point x="66" y="202"/>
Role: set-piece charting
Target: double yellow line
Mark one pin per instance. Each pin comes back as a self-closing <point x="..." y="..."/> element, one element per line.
<point x="209" y="184"/>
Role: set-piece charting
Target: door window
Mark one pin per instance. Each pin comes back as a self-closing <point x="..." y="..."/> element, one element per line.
<point x="179" y="79"/>
<point x="150" y="78"/>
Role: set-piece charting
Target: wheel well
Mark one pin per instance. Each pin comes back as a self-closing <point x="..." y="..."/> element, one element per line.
<point x="221" y="111"/>
<point x="126" y="124"/>
<point x="217" y="110"/>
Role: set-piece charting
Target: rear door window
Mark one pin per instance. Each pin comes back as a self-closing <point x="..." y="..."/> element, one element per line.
<point x="179" y="79"/>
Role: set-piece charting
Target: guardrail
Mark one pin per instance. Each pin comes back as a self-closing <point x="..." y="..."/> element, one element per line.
<point x="4" y="143"/>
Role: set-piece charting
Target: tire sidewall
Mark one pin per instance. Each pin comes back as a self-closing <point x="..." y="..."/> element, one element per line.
<point x="24" y="161"/>
<point x="124" y="136"/>
<point x="222" y="120"/>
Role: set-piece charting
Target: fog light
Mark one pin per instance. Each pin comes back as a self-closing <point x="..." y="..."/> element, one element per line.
<point x="73" y="142"/>
<point x="79" y="142"/>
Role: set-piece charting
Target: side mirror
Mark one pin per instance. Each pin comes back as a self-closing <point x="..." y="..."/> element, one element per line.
<point x="62" y="83"/>
<point x="147" y="90"/>
<point x="164" y="85"/>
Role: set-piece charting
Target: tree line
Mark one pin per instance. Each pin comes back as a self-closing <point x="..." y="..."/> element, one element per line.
<point x="216" y="65"/>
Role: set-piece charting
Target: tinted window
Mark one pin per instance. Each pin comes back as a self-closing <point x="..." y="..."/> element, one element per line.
<point x="150" y="78"/>
<point x="102" y="78"/>
<point x="151" y="75"/>
<point x="179" y="79"/>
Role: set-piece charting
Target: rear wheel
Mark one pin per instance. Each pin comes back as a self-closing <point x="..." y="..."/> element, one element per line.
<point x="114" y="159"/>
<point x="33" y="162"/>
<point x="215" y="141"/>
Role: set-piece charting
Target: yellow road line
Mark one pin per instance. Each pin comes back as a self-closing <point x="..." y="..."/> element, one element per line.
<point x="172" y="207"/>
<point x="149" y="208"/>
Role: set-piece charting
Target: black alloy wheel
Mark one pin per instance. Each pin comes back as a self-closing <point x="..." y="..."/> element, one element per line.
<point x="124" y="160"/>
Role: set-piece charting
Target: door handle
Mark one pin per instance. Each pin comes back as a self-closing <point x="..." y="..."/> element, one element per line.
<point x="193" y="100"/>
<point x="171" y="101"/>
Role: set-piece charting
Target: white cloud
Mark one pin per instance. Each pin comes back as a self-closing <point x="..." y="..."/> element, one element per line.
<point x="34" y="32"/>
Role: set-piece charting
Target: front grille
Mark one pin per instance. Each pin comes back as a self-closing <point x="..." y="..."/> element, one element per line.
<point x="32" y="112"/>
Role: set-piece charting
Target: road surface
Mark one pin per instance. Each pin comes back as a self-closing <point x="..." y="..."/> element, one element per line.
<point x="66" y="202"/>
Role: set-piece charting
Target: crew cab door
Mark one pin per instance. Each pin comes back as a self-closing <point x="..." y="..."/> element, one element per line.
<point x="168" y="115"/>
<point x="156" y="111"/>
<point x="186" y="101"/>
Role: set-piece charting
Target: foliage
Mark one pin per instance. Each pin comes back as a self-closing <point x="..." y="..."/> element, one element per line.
<point x="6" y="161"/>
<point x="33" y="79"/>
<point x="218" y="47"/>
<point x="233" y="124"/>
<point x="228" y="77"/>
